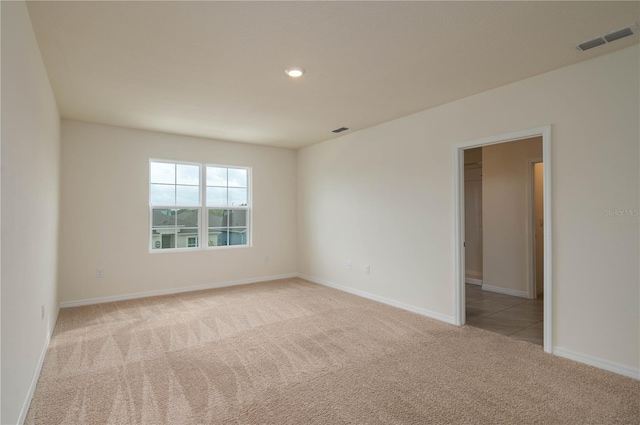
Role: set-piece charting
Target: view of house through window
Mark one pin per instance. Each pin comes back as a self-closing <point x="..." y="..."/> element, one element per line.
<point x="227" y="194"/>
<point x="178" y="202"/>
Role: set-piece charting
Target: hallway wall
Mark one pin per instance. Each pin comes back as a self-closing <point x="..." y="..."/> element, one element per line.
<point x="505" y="226"/>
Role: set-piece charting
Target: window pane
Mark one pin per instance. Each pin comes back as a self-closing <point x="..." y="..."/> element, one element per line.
<point x="238" y="236"/>
<point x="187" y="195"/>
<point x="162" y="194"/>
<point x="156" y="239"/>
<point x="237" y="177"/>
<point x="187" y="238"/>
<point x="238" y="218"/>
<point x="162" y="172"/>
<point x="218" y="218"/>
<point x="216" y="176"/>
<point x="237" y="197"/>
<point x="167" y="240"/>
<point x="187" y="218"/>
<point x="216" y="196"/>
<point x="164" y="218"/>
<point x="218" y="237"/>
<point x="188" y="174"/>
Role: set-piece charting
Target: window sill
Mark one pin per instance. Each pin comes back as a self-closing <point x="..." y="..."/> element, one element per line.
<point x="208" y="248"/>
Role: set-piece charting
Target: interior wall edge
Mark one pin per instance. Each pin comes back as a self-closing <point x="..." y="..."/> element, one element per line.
<point x="421" y="311"/>
<point x="36" y="374"/>
<point x="604" y="364"/>
<point x="170" y="291"/>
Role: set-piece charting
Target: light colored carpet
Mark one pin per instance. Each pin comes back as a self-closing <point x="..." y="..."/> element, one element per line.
<point x="293" y="352"/>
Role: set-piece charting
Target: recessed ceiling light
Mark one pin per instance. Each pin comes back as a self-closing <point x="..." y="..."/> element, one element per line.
<point x="294" y="72"/>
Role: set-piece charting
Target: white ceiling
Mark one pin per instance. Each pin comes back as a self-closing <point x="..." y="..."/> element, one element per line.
<point x="216" y="69"/>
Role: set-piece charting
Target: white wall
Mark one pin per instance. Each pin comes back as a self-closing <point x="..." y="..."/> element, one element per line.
<point x="473" y="215"/>
<point x="505" y="223"/>
<point x="473" y="223"/>
<point x="30" y="177"/>
<point x="105" y="213"/>
<point x="384" y="197"/>
<point x="538" y="225"/>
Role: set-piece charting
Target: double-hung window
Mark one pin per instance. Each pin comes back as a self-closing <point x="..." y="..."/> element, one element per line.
<point x="227" y="205"/>
<point x="175" y="205"/>
<point x="196" y="206"/>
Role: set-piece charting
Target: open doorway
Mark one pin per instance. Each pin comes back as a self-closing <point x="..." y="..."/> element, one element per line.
<point x="509" y="278"/>
<point x="501" y="286"/>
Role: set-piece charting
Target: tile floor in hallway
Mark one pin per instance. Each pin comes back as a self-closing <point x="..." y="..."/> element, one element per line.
<point x="516" y="317"/>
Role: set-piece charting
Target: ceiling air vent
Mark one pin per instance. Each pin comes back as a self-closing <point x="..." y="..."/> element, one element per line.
<point x="608" y="38"/>
<point x="340" y="130"/>
<point x="591" y="44"/>
<point x="617" y="35"/>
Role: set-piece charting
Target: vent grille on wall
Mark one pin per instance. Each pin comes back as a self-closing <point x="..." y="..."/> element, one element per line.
<point x="608" y="38"/>
<point x="340" y="130"/>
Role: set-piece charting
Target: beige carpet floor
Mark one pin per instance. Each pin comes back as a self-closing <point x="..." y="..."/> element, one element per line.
<point x="293" y="352"/>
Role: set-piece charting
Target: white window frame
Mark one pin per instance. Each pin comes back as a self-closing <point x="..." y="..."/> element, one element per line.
<point x="203" y="215"/>
<point x="246" y="208"/>
<point x="174" y="207"/>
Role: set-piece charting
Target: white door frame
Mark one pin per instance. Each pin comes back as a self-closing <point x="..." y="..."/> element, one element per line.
<point x="458" y="178"/>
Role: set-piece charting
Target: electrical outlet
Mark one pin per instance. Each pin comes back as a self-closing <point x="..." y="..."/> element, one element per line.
<point x="99" y="273"/>
<point x="349" y="266"/>
<point x="367" y="270"/>
<point x="42" y="311"/>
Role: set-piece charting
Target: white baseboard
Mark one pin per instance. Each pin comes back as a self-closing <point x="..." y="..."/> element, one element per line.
<point x="363" y="294"/>
<point x="102" y="300"/>
<point x="473" y="281"/>
<point x="36" y="375"/>
<point x="506" y="291"/>
<point x="614" y="367"/>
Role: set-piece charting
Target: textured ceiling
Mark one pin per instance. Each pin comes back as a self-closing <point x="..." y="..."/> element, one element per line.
<point x="216" y="69"/>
